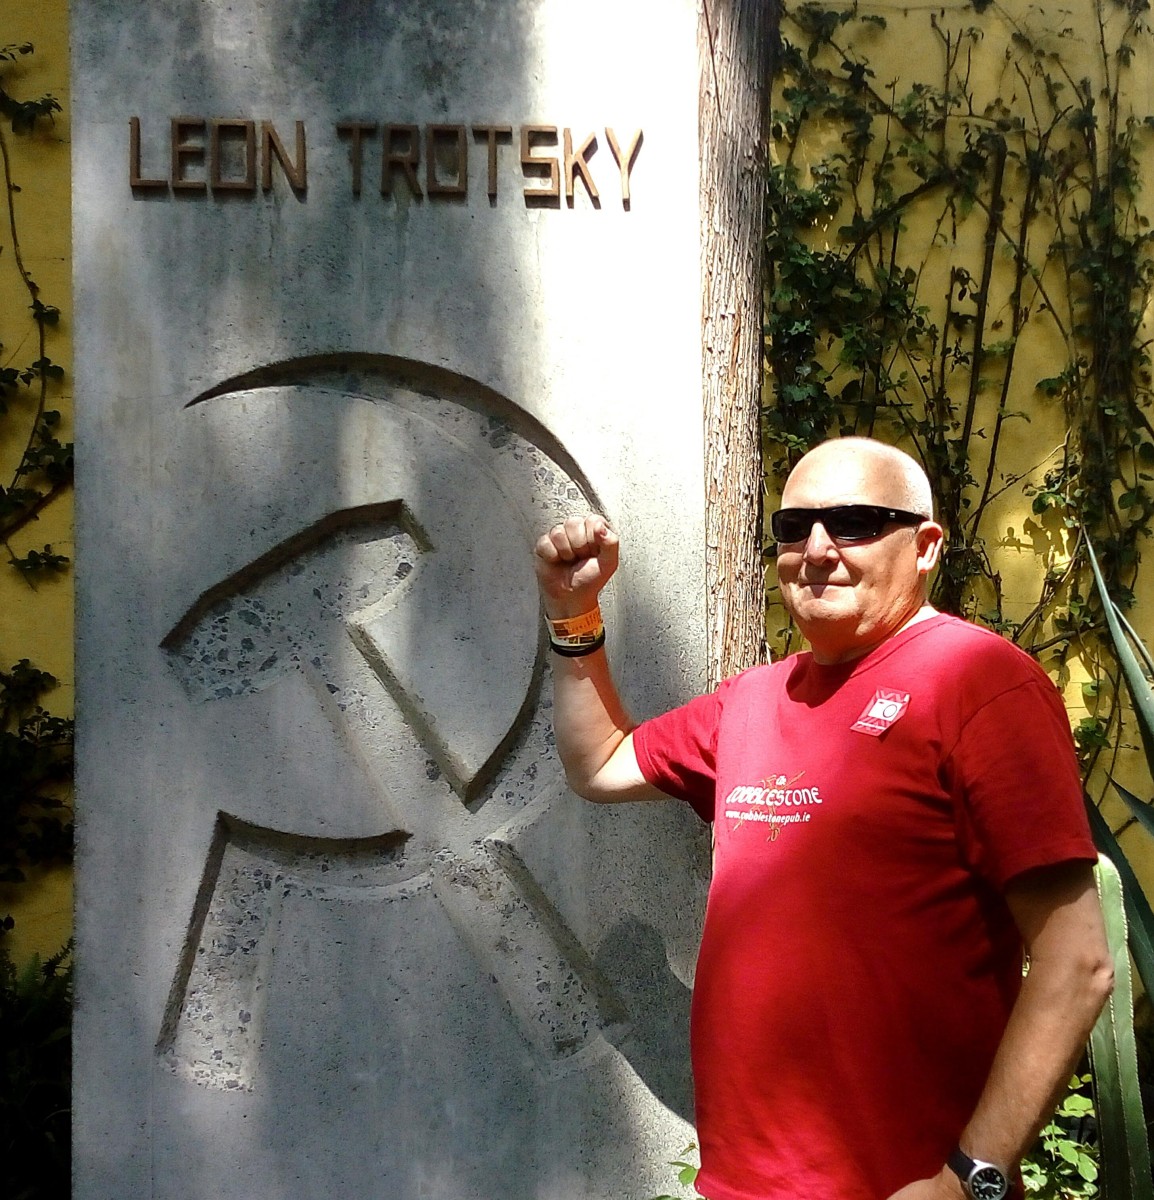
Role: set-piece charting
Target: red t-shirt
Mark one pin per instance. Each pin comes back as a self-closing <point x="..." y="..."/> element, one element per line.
<point x="859" y="963"/>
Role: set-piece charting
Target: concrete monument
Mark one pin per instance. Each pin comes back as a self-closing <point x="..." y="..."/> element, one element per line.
<point x="367" y="295"/>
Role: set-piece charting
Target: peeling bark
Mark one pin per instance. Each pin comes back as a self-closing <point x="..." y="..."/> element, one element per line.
<point x="734" y="56"/>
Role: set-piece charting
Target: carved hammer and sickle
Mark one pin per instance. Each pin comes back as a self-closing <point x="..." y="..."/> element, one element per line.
<point x="428" y="584"/>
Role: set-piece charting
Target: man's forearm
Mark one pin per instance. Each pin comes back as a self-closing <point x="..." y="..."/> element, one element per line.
<point x="1044" y="1039"/>
<point x="574" y="561"/>
<point x="1070" y="978"/>
<point x="589" y="719"/>
<point x="595" y="733"/>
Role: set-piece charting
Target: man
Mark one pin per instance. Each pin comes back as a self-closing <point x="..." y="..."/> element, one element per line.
<point x="896" y="814"/>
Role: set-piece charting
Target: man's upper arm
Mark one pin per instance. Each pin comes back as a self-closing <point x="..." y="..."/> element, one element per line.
<point x="1019" y="797"/>
<point x="621" y="778"/>
<point x="1057" y="913"/>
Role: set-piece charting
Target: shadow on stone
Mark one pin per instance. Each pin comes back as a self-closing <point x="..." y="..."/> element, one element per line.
<point x="632" y="955"/>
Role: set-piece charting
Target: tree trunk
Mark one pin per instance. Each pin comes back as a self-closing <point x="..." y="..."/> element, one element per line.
<point x="733" y="51"/>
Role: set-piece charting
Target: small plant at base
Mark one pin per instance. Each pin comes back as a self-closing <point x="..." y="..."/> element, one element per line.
<point x="1064" y="1163"/>
<point x="686" y="1171"/>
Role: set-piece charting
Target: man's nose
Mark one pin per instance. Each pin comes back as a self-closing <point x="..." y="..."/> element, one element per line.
<point x="819" y="545"/>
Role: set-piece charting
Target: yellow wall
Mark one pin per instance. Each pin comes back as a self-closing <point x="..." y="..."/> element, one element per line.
<point x="37" y="623"/>
<point x="908" y="51"/>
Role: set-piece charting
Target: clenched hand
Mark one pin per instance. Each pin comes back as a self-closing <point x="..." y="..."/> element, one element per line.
<point x="574" y="561"/>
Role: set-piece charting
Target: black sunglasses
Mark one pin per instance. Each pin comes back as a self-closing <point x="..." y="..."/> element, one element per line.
<point x="844" y="522"/>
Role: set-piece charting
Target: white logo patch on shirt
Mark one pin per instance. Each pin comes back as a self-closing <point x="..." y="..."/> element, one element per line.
<point x="881" y="712"/>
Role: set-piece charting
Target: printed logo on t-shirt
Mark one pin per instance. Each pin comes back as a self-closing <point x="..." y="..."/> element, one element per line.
<point x="772" y="803"/>
<point x="881" y="712"/>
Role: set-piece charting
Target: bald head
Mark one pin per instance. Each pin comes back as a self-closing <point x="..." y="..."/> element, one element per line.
<point x="859" y="470"/>
<point x="846" y="593"/>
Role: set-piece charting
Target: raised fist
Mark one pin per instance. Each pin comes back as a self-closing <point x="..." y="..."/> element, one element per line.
<point x="574" y="561"/>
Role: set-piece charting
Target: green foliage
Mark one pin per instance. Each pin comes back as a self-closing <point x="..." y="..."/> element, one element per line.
<point x="686" y="1171"/>
<point x="23" y="114"/>
<point x="1130" y="923"/>
<point x="43" y="467"/>
<point x="35" y="766"/>
<point x="35" y="1105"/>
<point x="40" y="561"/>
<point x="35" y="762"/>
<point x="1126" y="1172"/>
<point x="873" y="326"/>
<point x="1137" y="666"/>
<point x="1064" y="1163"/>
<point x="35" y="746"/>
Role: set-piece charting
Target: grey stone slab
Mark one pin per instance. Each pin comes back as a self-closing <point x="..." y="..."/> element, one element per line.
<point x="342" y="927"/>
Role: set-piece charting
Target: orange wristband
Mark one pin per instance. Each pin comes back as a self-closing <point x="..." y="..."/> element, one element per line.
<point x="575" y="630"/>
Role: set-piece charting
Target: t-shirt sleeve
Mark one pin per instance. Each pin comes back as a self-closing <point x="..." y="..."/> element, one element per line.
<point x="1017" y="786"/>
<point x="677" y="752"/>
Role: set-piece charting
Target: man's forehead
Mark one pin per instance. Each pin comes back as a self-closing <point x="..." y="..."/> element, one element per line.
<point x="850" y="474"/>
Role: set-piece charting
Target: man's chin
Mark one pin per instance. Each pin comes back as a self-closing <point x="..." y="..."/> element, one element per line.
<point x="831" y="603"/>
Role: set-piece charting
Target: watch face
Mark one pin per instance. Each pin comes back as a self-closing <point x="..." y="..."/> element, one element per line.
<point x="988" y="1183"/>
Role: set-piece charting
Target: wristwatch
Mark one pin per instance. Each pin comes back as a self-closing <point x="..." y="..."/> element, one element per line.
<point x="981" y="1180"/>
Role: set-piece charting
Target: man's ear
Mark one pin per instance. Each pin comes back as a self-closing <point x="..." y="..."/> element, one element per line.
<point x="929" y="538"/>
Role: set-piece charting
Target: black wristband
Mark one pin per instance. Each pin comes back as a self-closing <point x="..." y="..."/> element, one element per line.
<point x="578" y="651"/>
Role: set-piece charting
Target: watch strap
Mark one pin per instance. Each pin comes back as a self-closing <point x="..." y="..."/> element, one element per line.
<point x="965" y="1167"/>
<point x="961" y="1164"/>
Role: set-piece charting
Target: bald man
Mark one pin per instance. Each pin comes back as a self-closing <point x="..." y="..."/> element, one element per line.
<point x="897" y="815"/>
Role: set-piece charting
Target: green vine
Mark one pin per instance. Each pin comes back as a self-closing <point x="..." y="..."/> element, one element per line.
<point x="43" y="469"/>
<point x="927" y="243"/>
<point x="35" y="762"/>
<point x="35" y="745"/>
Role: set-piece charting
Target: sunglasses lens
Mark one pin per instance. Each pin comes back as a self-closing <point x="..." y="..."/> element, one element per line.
<point x="792" y="525"/>
<point x="848" y="522"/>
<point x="855" y="523"/>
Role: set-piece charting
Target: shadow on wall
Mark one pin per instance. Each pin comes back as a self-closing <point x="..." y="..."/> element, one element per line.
<point x="633" y="955"/>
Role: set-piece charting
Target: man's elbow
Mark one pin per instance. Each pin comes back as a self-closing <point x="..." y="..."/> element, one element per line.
<point x="583" y="785"/>
<point x="1096" y="979"/>
<point x="604" y="772"/>
<point x="1102" y="980"/>
<point x="589" y="786"/>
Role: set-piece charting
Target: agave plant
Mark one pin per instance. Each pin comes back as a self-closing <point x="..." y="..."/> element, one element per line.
<point x="1125" y="1149"/>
